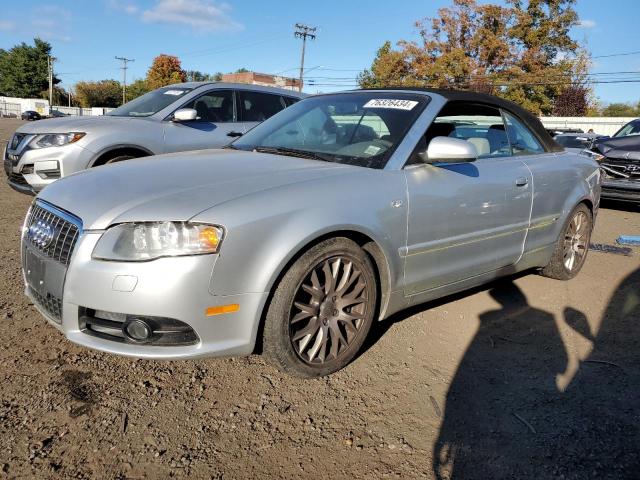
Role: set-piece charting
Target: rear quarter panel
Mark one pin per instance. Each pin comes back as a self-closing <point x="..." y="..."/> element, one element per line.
<point x="560" y="181"/>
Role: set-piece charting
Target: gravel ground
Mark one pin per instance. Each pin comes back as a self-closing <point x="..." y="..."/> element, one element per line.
<point x="525" y="378"/>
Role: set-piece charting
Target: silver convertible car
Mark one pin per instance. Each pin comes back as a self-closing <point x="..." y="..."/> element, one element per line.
<point x="332" y="214"/>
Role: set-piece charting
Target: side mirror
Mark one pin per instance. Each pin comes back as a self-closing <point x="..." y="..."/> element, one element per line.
<point x="449" y="150"/>
<point x="184" y="115"/>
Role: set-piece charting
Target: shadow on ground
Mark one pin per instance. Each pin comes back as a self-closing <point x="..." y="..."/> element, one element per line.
<point x="505" y="414"/>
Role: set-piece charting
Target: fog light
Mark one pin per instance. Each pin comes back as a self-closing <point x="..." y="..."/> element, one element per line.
<point x="138" y="330"/>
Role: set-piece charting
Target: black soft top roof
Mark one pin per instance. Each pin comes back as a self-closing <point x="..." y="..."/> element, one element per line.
<point x="527" y="118"/>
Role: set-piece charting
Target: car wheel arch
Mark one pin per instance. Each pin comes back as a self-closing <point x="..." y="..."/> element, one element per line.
<point x="119" y="150"/>
<point x="365" y="241"/>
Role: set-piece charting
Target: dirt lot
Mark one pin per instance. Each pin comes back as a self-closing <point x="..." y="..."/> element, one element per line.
<point x="526" y="378"/>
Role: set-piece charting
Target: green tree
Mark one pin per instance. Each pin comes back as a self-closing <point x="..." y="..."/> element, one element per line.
<point x="137" y="88"/>
<point x="197" y="76"/>
<point x="105" y="93"/>
<point x="24" y="70"/>
<point x="621" y="110"/>
<point x="165" y="70"/>
<point x="522" y="51"/>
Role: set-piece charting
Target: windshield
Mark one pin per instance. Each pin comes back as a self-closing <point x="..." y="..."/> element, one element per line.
<point x="573" y="142"/>
<point x="358" y="128"/>
<point x="631" y="128"/>
<point x="150" y="103"/>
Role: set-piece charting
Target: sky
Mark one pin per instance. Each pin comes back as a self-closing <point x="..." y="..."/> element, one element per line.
<point x="216" y="36"/>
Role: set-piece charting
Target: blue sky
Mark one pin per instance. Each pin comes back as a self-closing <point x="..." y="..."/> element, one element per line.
<point x="212" y="36"/>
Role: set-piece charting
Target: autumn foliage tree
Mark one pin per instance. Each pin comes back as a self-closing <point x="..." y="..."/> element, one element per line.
<point x="165" y="70"/>
<point x="521" y="51"/>
<point x="105" y="93"/>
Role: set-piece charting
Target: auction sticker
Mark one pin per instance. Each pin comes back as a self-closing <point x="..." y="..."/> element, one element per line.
<point x="390" y="103"/>
<point x="174" y="92"/>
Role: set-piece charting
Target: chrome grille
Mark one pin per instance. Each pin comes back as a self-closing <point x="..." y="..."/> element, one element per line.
<point x="65" y="232"/>
<point x="51" y="304"/>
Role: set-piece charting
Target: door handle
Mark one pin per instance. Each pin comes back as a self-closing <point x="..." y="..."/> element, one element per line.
<point x="522" y="182"/>
<point x="234" y="134"/>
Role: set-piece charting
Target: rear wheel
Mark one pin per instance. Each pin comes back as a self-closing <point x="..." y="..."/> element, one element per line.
<point x="321" y="310"/>
<point x="572" y="247"/>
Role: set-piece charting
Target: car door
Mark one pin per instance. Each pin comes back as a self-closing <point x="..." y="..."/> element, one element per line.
<point x="255" y="107"/>
<point x="551" y="175"/>
<point x="466" y="219"/>
<point x="215" y="126"/>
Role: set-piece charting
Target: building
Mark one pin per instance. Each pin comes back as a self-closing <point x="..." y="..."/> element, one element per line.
<point x="13" y="106"/>
<point x="263" y="79"/>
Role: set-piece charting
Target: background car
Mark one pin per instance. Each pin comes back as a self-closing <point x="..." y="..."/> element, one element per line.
<point x="57" y="114"/>
<point x="30" y="115"/>
<point x="577" y="141"/>
<point x="619" y="158"/>
<point x="186" y="116"/>
<point x="335" y="213"/>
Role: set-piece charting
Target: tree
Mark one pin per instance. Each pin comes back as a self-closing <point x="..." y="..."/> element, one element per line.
<point x="621" y="110"/>
<point x="24" y="70"/>
<point x="242" y="70"/>
<point x="522" y="52"/>
<point x="165" y="70"/>
<point x="137" y="88"/>
<point x="197" y="76"/>
<point x="105" y="93"/>
<point x="573" y="101"/>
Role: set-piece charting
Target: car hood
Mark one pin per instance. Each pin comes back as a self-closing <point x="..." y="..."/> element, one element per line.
<point x="76" y="124"/>
<point x="622" y="148"/>
<point x="178" y="186"/>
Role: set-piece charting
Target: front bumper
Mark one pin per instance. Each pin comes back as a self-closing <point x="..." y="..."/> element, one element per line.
<point x="177" y="288"/>
<point x="622" y="190"/>
<point x="25" y="168"/>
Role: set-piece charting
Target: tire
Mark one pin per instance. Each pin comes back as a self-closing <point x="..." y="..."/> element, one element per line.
<point x="119" y="158"/>
<point x="575" y="237"/>
<point x="316" y="324"/>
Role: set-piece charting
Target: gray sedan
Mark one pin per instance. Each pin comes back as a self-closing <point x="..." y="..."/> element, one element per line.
<point x="335" y="213"/>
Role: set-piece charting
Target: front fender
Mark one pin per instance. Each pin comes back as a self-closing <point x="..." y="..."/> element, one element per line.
<point x="265" y="231"/>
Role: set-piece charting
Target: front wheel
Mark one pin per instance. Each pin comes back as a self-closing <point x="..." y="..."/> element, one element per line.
<point x="572" y="247"/>
<point x="321" y="310"/>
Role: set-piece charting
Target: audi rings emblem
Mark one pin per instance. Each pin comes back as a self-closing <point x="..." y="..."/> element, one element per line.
<point x="40" y="234"/>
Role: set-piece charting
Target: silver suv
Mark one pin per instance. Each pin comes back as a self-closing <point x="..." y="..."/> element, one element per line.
<point x="185" y="116"/>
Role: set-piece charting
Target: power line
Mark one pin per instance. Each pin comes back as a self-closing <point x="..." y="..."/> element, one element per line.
<point x="623" y="54"/>
<point x="124" y="76"/>
<point x="303" y="31"/>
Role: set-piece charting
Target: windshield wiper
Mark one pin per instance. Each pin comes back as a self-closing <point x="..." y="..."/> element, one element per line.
<point x="292" y="152"/>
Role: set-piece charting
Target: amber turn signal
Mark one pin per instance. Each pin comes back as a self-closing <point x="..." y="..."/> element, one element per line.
<point x="220" y="309"/>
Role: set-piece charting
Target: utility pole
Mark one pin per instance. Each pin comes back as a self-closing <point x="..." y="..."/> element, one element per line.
<point x="124" y="76"/>
<point x="303" y="31"/>
<point x="50" y="61"/>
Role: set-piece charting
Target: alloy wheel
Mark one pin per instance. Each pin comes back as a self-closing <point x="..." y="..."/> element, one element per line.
<point x="329" y="309"/>
<point x="576" y="241"/>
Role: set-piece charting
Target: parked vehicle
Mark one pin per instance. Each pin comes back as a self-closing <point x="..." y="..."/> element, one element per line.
<point x="57" y="114"/>
<point x="186" y="116"/>
<point x="334" y="213"/>
<point x="619" y="158"/>
<point x="577" y="142"/>
<point x="30" y="115"/>
<point x="560" y="130"/>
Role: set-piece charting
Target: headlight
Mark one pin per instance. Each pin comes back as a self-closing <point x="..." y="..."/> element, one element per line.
<point x="136" y="242"/>
<point x="56" y="139"/>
